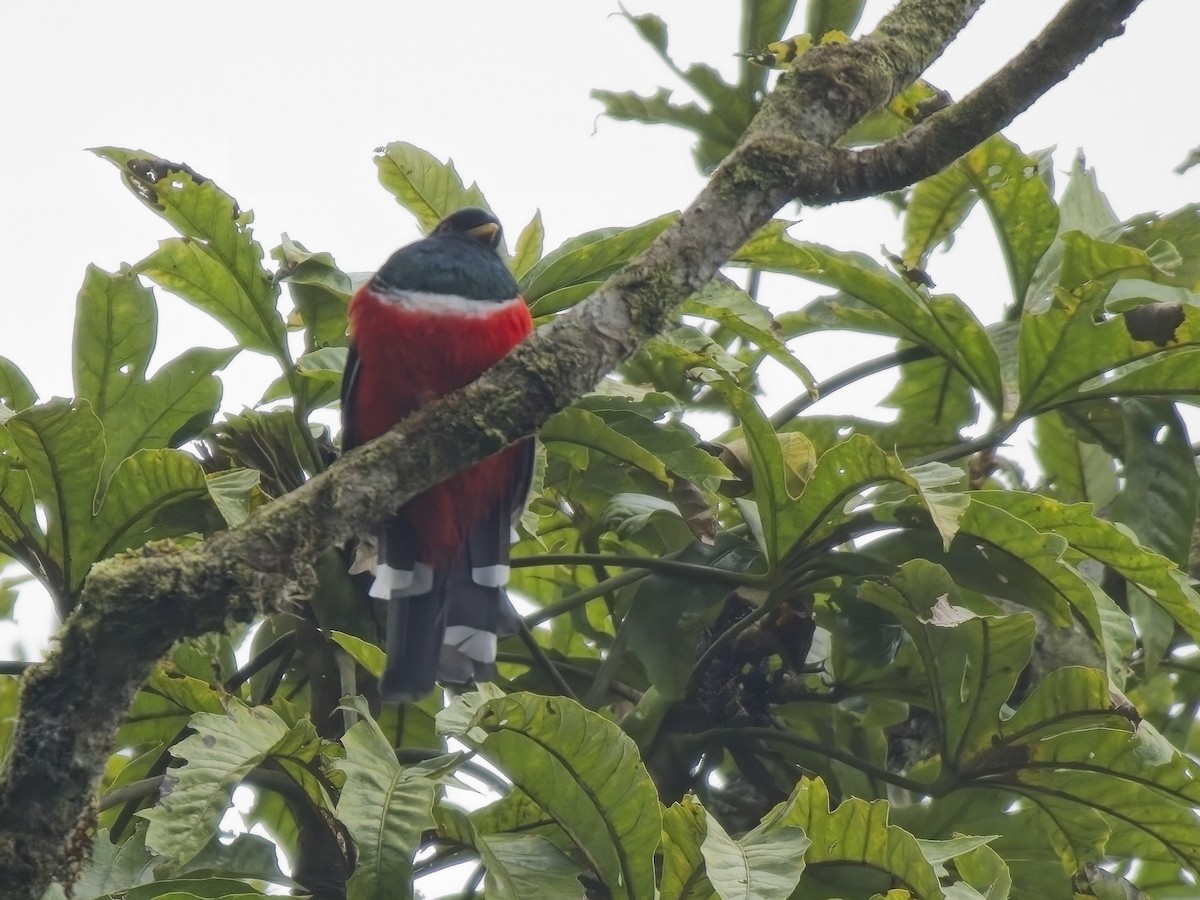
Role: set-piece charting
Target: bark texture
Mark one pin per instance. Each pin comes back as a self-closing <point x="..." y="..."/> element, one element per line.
<point x="134" y="607"/>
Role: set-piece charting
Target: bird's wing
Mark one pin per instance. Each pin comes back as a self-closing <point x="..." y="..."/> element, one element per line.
<point x="349" y="381"/>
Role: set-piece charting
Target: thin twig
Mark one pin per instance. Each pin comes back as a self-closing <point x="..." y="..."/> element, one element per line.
<point x="544" y="662"/>
<point x="608" y="668"/>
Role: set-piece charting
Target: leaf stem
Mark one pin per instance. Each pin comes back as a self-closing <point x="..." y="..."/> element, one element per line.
<point x="667" y="567"/>
<point x="608" y="668"/>
<point x="543" y="661"/>
<point x="579" y="598"/>
<point x="777" y="736"/>
<point x="300" y="413"/>
<point x="996" y="436"/>
<point x="790" y="410"/>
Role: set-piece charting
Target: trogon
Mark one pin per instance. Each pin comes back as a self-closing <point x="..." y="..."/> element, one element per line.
<point x="439" y="312"/>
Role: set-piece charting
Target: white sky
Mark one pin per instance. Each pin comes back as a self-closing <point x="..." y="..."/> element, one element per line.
<point x="282" y="104"/>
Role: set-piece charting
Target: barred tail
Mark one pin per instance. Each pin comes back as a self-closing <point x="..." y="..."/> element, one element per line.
<point x="443" y="624"/>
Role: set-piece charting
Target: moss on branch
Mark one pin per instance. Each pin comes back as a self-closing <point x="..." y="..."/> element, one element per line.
<point x="134" y="607"/>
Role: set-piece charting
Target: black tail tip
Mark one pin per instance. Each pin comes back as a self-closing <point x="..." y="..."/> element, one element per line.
<point x="400" y="686"/>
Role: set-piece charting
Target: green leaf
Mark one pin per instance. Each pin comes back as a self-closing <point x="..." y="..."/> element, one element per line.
<point x="1083" y="206"/>
<point x="110" y="868"/>
<point x="1066" y="746"/>
<point x="246" y="856"/>
<point x="972" y="661"/>
<point x="60" y="445"/>
<point x="143" y="487"/>
<point x="732" y="105"/>
<point x="582" y="770"/>
<point x="529" y="247"/>
<point x="909" y="440"/>
<point x="683" y="877"/>
<point x="587" y="259"/>
<point x="1076" y="469"/>
<point x="1065" y="350"/>
<point x="1109" y="544"/>
<point x="768" y="470"/>
<point x="216" y="265"/>
<point x="173" y="406"/>
<point x="855" y="832"/>
<point x="21" y="534"/>
<point x="266" y="441"/>
<point x="515" y="812"/>
<point x="61" y="449"/>
<point x="580" y="427"/>
<point x="426" y="187"/>
<point x="939" y="852"/>
<point x="841" y="473"/>
<point x="15" y="390"/>
<point x="1011" y="186"/>
<point x="764" y="865"/>
<point x="658" y="450"/>
<point x="164" y="705"/>
<point x="320" y="290"/>
<point x="115" y="330"/>
<point x="10" y="592"/>
<point x="932" y="396"/>
<point x="186" y="268"/>
<point x="1059" y="586"/>
<point x="385" y="807"/>
<point x="736" y="311"/>
<point x="518" y="866"/>
<point x="985" y="870"/>
<point x="667" y="362"/>
<point x="191" y="889"/>
<point x="937" y="206"/>
<point x="222" y="752"/>
<point x="1180" y="230"/>
<point x="116" y="324"/>
<point x="366" y="654"/>
<point x="233" y="492"/>
<point x="638" y="517"/>
<point x="832" y="15"/>
<point x="657" y="109"/>
<point x="1161" y="483"/>
<point x="667" y="615"/>
<point x="944" y="324"/>
<point x="325" y="365"/>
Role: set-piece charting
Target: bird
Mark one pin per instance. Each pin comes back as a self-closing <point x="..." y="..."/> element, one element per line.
<point x="440" y="312"/>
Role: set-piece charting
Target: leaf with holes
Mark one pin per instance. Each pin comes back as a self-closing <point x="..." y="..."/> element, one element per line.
<point x="216" y="265"/>
<point x="222" y="752"/>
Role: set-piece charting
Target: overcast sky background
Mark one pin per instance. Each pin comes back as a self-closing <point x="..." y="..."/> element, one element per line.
<point x="282" y="104"/>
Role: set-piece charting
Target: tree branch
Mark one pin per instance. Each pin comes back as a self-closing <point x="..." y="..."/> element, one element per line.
<point x="1080" y="27"/>
<point x="134" y="607"/>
